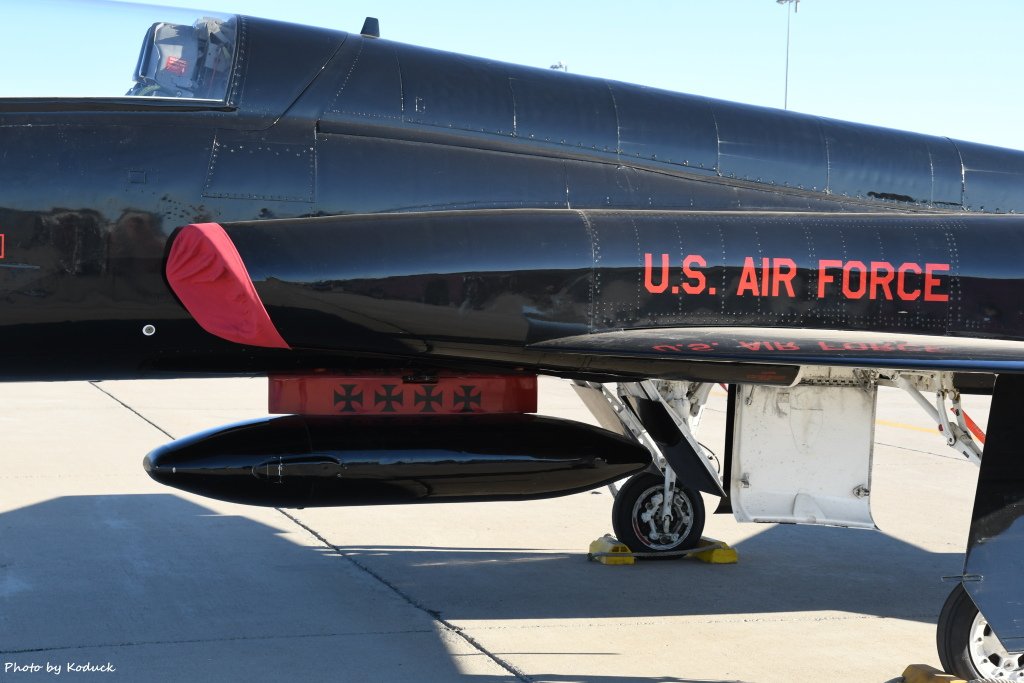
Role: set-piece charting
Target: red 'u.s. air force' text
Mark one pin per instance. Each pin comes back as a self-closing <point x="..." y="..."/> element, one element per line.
<point x="776" y="277"/>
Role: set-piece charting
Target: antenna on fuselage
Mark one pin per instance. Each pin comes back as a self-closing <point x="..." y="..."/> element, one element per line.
<point x="371" y="28"/>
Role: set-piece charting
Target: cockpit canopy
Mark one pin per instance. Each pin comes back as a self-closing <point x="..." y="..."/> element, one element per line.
<point x="185" y="53"/>
<point x="186" y="61"/>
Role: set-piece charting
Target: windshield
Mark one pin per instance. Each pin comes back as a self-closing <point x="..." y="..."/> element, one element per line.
<point x="91" y="48"/>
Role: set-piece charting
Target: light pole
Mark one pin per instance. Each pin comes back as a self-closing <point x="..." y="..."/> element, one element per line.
<point x="793" y="5"/>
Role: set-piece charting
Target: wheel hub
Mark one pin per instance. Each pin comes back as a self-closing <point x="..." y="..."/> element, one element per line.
<point x="653" y="528"/>
<point x="989" y="656"/>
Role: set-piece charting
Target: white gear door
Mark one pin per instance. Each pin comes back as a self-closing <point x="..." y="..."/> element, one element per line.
<point x="802" y="454"/>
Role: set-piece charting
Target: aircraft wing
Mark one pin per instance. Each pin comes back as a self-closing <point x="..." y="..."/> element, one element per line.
<point x="793" y="346"/>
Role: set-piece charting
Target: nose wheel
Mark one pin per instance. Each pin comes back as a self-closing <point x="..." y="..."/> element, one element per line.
<point x="644" y="522"/>
<point x="968" y="647"/>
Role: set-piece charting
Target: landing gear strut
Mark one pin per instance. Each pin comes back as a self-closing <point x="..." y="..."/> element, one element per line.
<point x="653" y="512"/>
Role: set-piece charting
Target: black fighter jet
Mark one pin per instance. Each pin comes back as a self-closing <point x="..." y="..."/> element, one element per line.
<point x="402" y="239"/>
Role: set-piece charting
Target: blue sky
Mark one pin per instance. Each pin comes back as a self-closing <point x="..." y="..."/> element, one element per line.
<point x="933" y="66"/>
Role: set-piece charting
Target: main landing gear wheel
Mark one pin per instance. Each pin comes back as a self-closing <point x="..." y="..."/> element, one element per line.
<point x="639" y="522"/>
<point x="967" y="646"/>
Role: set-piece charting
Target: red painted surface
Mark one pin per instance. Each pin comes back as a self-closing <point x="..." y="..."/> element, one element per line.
<point x="972" y="426"/>
<point x="206" y="271"/>
<point x="395" y="394"/>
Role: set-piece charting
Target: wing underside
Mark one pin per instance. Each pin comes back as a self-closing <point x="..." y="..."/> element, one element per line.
<point x="785" y="346"/>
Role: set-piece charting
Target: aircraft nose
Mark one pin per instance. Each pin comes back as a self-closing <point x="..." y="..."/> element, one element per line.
<point x="154" y="469"/>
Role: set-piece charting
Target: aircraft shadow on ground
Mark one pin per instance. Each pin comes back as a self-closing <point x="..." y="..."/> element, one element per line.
<point x="169" y="590"/>
<point x="173" y="590"/>
<point x="782" y="569"/>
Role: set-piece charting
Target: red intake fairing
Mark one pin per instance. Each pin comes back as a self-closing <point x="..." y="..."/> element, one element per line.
<point x="206" y="271"/>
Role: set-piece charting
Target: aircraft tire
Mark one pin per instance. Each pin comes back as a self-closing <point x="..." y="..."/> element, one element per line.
<point x="965" y="644"/>
<point x="640" y="495"/>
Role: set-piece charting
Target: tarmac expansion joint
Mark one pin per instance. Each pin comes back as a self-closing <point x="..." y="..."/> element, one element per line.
<point x="412" y="601"/>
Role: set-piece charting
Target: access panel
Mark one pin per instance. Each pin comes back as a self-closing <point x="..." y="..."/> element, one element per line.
<point x="802" y="454"/>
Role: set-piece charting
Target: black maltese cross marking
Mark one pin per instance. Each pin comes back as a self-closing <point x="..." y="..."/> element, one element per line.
<point x="348" y="399"/>
<point x="428" y="398"/>
<point x="467" y="399"/>
<point x="390" y="397"/>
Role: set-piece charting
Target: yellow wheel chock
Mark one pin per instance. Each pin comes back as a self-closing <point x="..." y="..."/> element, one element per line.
<point x="922" y="673"/>
<point x="609" y="550"/>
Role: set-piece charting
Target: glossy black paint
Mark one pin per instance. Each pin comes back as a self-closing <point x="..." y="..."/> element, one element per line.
<point x="575" y="281"/>
<point x="324" y="123"/>
<point x="491" y="105"/>
<point x="90" y="191"/>
<point x="994" y="567"/>
<point x="304" y="461"/>
<point x="320" y="123"/>
<point x="685" y="461"/>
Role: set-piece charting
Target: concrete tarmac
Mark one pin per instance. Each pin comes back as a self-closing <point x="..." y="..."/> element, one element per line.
<point x="105" y="574"/>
